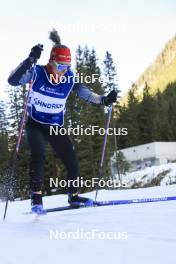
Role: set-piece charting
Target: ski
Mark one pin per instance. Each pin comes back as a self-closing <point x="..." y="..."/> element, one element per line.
<point x="110" y="203"/>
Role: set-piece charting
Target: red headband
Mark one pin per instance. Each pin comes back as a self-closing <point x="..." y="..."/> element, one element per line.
<point x="62" y="55"/>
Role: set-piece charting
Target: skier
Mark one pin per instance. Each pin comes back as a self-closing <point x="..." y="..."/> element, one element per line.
<point x="46" y="106"/>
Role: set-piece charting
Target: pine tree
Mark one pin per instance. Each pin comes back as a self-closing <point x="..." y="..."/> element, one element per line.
<point x="128" y="118"/>
<point x="162" y="130"/>
<point x="146" y="117"/>
<point x="17" y="96"/>
<point x="169" y="96"/>
<point x="110" y="83"/>
<point x="4" y="153"/>
<point x="110" y="74"/>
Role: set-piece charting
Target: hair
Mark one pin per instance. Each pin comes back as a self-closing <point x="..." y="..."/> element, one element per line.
<point x="55" y="38"/>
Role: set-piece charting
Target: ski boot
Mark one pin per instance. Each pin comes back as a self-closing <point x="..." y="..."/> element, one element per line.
<point x="75" y="200"/>
<point x="37" y="203"/>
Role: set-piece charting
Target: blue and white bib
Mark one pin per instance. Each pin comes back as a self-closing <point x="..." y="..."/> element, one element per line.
<point x="47" y="100"/>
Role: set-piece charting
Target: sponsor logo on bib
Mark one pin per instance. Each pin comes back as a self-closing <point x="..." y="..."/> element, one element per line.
<point x="47" y="105"/>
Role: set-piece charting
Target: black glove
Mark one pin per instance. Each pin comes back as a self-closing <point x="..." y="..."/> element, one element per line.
<point x="110" y="98"/>
<point x="35" y="53"/>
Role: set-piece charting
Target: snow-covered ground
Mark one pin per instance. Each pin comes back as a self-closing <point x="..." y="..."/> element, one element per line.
<point x="145" y="176"/>
<point x="143" y="233"/>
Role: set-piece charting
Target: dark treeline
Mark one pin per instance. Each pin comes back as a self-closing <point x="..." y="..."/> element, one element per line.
<point x="78" y="112"/>
<point x="151" y="119"/>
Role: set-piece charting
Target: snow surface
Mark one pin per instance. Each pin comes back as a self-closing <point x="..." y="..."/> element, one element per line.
<point x="150" y="231"/>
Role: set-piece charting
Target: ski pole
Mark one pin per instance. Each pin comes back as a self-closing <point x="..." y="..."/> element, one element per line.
<point x="104" y="146"/>
<point x="16" y="151"/>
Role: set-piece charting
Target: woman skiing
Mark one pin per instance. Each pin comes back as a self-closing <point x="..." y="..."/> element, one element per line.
<point x="47" y="101"/>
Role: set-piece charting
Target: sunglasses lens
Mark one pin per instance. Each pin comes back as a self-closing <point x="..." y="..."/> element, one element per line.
<point x="62" y="67"/>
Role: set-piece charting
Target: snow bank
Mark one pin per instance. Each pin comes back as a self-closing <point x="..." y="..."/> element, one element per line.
<point x="167" y="174"/>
